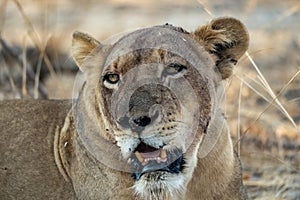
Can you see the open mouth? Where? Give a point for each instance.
(149, 159)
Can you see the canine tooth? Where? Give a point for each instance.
(139, 156)
(158, 160)
(163, 154)
(145, 162)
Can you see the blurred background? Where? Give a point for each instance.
(263, 96)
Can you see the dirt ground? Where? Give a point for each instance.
(269, 141)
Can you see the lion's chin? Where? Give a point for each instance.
(159, 185)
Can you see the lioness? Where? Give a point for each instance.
(147, 123)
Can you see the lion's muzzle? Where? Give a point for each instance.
(147, 159)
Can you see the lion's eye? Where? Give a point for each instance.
(112, 78)
(175, 68)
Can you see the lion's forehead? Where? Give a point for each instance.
(160, 39)
(153, 37)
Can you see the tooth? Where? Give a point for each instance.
(163, 154)
(145, 162)
(139, 156)
(158, 159)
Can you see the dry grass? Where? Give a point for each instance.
(34, 36)
(24, 64)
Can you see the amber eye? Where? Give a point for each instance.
(112, 78)
(175, 68)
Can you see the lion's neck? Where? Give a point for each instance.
(95, 180)
(91, 179)
(214, 172)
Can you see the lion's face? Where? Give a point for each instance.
(156, 95)
(155, 107)
(151, 94)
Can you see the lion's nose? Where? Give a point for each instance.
(142, 121)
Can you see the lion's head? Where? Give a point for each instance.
(149, 98)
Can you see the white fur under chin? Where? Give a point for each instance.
(169, 187)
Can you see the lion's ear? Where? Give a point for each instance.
(227, 38)
(82, 45)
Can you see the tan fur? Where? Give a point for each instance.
(227, 39)
(58, 150)
(82, 45)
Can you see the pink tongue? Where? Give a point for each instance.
(152, 154)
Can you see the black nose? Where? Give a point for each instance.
(142, 121)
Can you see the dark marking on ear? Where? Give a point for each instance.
(227, 39)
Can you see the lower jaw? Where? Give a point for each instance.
(175, 167)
